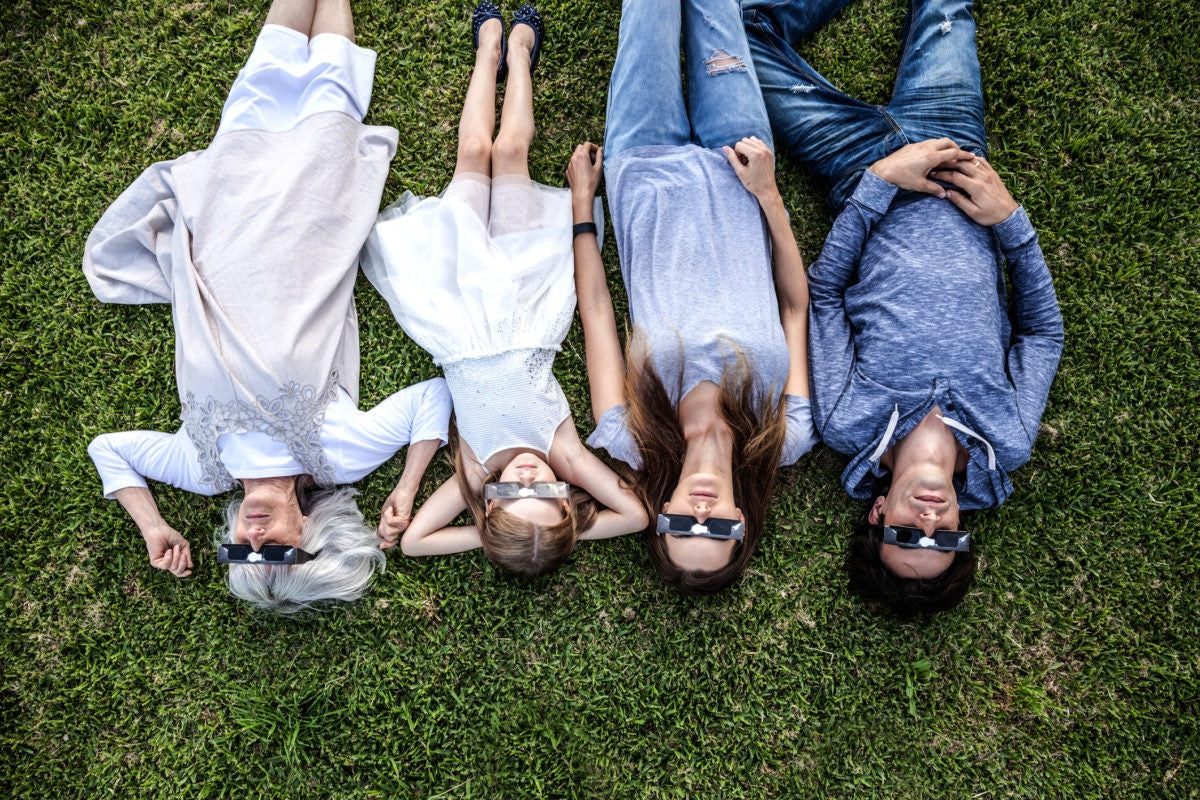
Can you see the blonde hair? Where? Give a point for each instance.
(515, 544)
(348, 555)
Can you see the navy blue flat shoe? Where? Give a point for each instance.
(482, 13)
(528, 15)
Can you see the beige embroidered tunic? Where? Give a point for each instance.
(254, 242)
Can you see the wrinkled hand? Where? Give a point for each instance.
(910, 166)
(584, 171)
(395, 516)
(169, 550)
(986, 199)
(754, 164)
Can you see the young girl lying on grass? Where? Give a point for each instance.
(481, 277)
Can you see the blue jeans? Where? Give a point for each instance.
(645, 96)
(836, 137)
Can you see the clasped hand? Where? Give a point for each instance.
(983, 196)
(169, 550)
(583, 173)
(396, 516)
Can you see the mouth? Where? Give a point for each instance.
(256, 516)
(703, 495)
(930, 498)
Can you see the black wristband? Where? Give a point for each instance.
(583, 227)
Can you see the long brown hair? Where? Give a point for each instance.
(756, 419)
(518, 546)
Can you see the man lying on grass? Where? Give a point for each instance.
(926, 371)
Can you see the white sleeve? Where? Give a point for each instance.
(359, 441)
(128, 458)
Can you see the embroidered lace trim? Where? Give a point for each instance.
(294, 417)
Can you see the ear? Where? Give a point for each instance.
(875, 515)
(488, 507)
(664, 508)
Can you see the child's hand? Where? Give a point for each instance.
(754, 164)
(584, 171)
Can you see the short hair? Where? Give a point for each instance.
(347, 556)
(904, 597)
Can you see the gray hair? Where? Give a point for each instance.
(349, 555)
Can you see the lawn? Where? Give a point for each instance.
(1072, 669)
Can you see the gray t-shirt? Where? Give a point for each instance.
(696, 260)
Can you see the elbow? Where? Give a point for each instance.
(641, 520)
(98, 446)
(637, 518)
(410, 543)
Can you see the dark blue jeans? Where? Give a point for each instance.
(837, 137)
(645, 96)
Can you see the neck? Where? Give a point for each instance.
(931, 443)
(708, 448)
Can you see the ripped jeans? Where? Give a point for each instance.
(836, 137)
(645, 96)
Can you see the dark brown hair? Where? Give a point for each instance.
(518, 546)
(755, 416)
(905, 597)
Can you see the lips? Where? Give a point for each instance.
(930, 498)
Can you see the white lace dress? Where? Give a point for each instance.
(482, 277)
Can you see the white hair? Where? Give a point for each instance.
(349, 555)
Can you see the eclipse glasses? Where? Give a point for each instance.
(945, 541)
(510, 490)
(711, 528)
(269, 554)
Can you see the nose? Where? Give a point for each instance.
(526, 476)
(701, 510)
(254, 536)
(929, 519)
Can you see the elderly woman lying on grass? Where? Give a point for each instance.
(254, 242)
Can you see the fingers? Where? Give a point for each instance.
(391, 525)
(585, 167)
(749, 149)
(177, 560)
(733, 158)
(964, 204)
(929, 187)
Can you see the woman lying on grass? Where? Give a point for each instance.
(716, 395)
(254, 243)
(481, 277)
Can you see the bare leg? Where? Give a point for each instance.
(479, 108)
(510, 153)
(294, 14)
(333, 16)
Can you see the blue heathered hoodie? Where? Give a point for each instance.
(909, 310)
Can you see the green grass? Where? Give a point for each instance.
(1073, 669)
